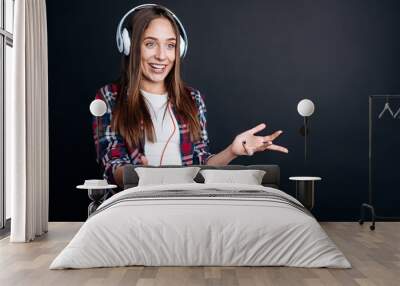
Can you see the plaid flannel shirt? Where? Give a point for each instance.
(114, 152)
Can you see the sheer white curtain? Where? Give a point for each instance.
(27, 171)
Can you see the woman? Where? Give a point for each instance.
(152, 116)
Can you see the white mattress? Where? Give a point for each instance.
(183, 231)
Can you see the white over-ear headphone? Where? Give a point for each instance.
(124, 40)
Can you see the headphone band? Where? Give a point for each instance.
(181, 29)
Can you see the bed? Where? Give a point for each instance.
(198, 224)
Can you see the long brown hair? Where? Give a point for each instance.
(130, 109)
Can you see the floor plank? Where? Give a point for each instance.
(374, 255)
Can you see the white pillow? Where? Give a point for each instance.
(163, 176)
(249, 177)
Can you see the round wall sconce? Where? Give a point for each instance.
(305, 108)
(97, 108)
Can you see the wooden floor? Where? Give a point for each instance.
(375, 257)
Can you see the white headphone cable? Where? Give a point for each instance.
(170, 137)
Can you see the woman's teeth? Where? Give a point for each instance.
(157, 68)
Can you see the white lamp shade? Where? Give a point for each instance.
(305, 107)
(98, 107)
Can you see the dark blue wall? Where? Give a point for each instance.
(253, 60)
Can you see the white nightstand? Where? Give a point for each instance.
(305, 190)
(97, 192)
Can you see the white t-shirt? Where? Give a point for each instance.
(163, 127)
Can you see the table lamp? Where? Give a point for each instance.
(305, 108)
(97, 189)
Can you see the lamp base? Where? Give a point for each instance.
(97, 196)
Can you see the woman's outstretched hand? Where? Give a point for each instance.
(247, 143)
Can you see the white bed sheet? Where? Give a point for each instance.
(200, 231)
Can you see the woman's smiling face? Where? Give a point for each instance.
(158, 50)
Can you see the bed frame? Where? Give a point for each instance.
(270, 179)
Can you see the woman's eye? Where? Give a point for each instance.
(171, 46)
(149, 44)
